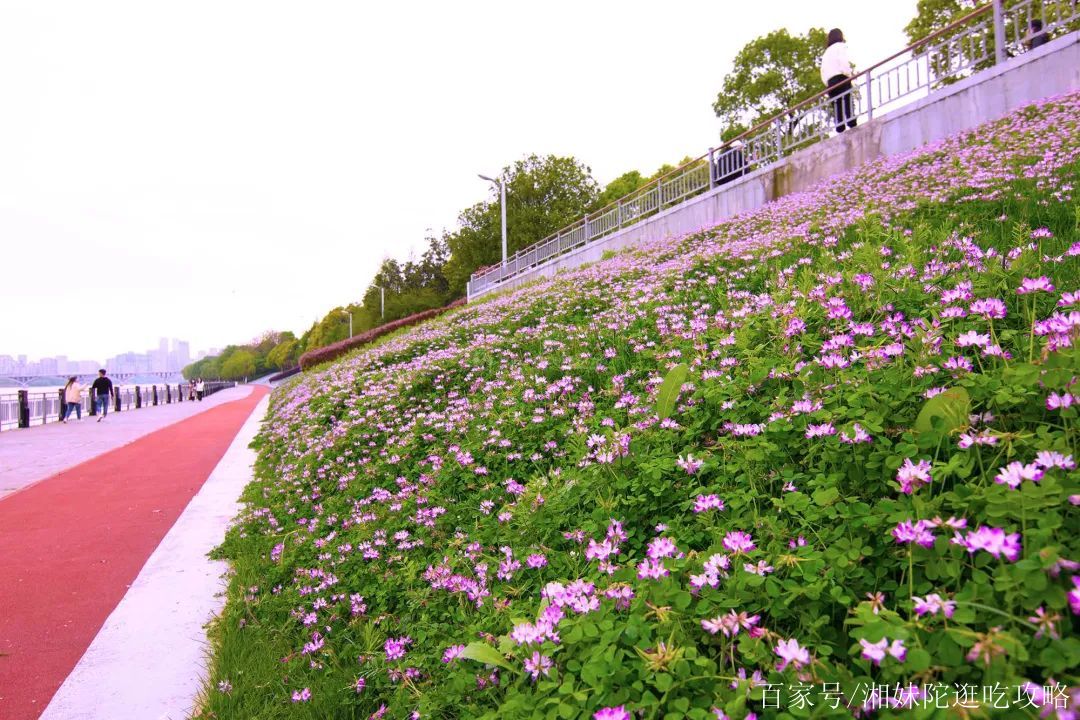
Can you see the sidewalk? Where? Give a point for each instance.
(72, 544)
(32, 454)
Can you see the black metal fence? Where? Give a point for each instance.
(31, 407)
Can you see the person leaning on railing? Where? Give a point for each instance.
(836, 72)
(1036, 35)
(730, 163)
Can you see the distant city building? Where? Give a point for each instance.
(161, 359)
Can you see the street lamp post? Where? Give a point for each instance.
(502, 206)
(350, 321)
(382, 302)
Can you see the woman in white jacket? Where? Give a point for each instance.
(836, 69)
(72, 399)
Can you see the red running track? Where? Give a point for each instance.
(71, 545)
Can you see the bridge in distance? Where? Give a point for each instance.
(23, 381)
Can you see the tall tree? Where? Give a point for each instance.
(239, 366)
(770, 74)
(934, 15)
(543, 194)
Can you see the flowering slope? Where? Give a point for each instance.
(822, 450)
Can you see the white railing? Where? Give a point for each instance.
(983, 37)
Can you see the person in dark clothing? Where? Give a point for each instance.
(103, 390)
(836, 70)
(730, 163)
(1038, 36)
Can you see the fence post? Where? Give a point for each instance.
(116, 396)
(153, 390)
(168, 394)
(138, 397)
(24, 408)
(586, 227)
(63, 405)
(999, 32)
(712, 173)
(869, 98)
(93, 404)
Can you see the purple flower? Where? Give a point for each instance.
(704, 503)
(919, 532)
(536, 560)
(795, 327)
(912, 476)
(739, 542)
(730, 623)
(973, 338)
(689, 464)
(1015, 472)
(993, 540)
(991, 308)
(451, 653)
(662, 547)
(611, 713)
(933, 604)
(301, 695)
(1039, 284)
(621, 594)
(822, 430)
(1059, 402)
(1074, 595)
(650, 569)
(875, 652)
(790, 652)
(1053, 459)
(858, 435)
(395, 647)
(538, 665)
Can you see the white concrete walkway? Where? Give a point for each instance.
(33, 454)
(148, 661)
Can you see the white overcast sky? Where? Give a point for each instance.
(209, 170)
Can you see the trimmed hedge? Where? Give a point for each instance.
(284, 374)
(335, 350)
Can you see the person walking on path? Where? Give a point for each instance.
(200, 388)
(103, 390)
(72, 398)
(836, 70)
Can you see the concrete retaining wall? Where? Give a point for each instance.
(1049, 70)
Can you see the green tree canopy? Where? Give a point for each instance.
(623, 185)
(770, 74)
(284, 354)
(543, 194)
(239, 366)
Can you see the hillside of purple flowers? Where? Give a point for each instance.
(818, 461)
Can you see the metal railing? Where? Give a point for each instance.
(25, 408)
(981, 38)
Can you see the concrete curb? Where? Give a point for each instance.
(148, 661)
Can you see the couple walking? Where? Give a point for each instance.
(101, 392)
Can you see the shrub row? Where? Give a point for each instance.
(331, 352)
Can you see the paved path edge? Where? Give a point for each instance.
(149, 660)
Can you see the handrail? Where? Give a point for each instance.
(728, 146)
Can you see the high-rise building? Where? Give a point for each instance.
(183, 352)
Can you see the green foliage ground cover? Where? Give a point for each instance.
(823, 453)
